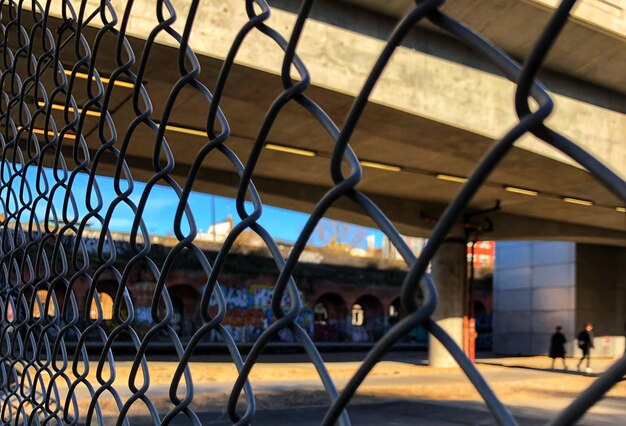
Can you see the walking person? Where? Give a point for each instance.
(557, 347)
(585, 343)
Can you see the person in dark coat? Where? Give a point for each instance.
(585, 343)
(557, 346)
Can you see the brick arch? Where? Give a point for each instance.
(373, 325)
(107, 291)
(186, 303)
(334, 328)
(395, 304)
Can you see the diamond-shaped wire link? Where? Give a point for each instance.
(52, 280)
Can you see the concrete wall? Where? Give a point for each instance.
(539, 285)
(534, 291)
(601, 296)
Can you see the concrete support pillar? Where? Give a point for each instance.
(449, 272)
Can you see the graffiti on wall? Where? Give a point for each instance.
(250, 313)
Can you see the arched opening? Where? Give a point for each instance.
(396, 312)
(105, 291)
(320, 313)
(10, 312)
(106, 304)
(39, 304)
(358, 315)
(185, 301)
(368, 319)
(418, 334)
(331, 315)
(393, 312)
(179, 313)
(104, 297)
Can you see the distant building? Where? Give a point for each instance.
(218, 231)
(484, 257)
(390, 252)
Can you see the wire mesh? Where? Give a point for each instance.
(50, 85)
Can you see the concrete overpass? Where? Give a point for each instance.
(433, 115)
(435, 112)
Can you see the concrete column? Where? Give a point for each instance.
(449, 271)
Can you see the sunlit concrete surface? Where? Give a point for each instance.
(526, 385)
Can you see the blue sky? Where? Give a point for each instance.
(159, 215)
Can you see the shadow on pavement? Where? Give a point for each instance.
(390, 413)
(549, 370)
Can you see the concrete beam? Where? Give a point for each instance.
(430, 76)
(514, 25)
(411, 217)
(409, 128)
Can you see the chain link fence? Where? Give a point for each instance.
(47, 59)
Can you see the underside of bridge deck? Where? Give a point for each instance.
(427, 157)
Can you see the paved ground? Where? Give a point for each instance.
(396, 413)
(396, 393)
